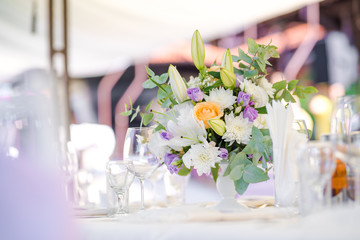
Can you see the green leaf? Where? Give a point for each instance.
(239, 159)
(256, 134)
(243, 56)
(215, 171)
(310, 90)
(227, 171)
(241, 65)
(261, 110)
(159, 127)
(253, 174)
(299, 91)
(126, 113)
(166, 103)
(287, 96)
(215, 74)
(262, 65)
(241, 186)
(148, 84)
(292, 84)
(147, 118)
(215, 85)
(235, 58)
(250, 73)
(256, 158)
(147, 108)
(149, 71)
(184, 171)
(238, 71)
(163, 78)
(237, 172)
(265, 133)
(252, 46)
(135, 114)
(279, 85)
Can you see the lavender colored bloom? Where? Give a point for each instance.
(166, 135)
(224, 153)
(250, 156)
(169, 159)
(250, 113)
(243, 98)
(251, 103)
(195, 94)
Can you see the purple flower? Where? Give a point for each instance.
(195, 94)
(250, 113)
(251, 103)
(169, 159)
(166, 135)
(243, 98)
(224, 153)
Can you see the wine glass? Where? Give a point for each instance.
(316, 166)
(120, 179)
(138, 157)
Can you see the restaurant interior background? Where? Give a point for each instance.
(74, 82)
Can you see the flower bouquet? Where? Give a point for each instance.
(217, 116)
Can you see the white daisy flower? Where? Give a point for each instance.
(202, 156)
(260, 122)
(258, 94)
(224, 98)
(237, 129)
(264, 83)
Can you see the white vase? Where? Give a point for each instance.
(226, 188)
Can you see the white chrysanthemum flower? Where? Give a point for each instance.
(237, 129)
(202, 156)
(264, 83)
(224, 97)
(258, 94)
(260, 122)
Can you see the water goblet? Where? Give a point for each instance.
(138, 157)
(119, 179)
(316, 165)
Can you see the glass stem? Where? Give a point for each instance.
(142, 207)
(121, 202)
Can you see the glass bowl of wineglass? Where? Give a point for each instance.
(138, 157)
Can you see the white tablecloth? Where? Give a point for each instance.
(203, 222)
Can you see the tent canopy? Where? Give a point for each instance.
(109, 34)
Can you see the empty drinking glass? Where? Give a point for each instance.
(120, 179)
(316, 165)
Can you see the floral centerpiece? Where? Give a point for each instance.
(217, 116)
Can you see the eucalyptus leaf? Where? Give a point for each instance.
(148, 84)
(147, 108)
(241, 186)
(253, 174)
(237, 172)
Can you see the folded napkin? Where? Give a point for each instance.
(286, 142)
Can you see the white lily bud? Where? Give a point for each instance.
(177, 84)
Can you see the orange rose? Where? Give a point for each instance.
(205, 111)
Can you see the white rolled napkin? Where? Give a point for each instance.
(286, 142)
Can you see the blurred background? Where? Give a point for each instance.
(67, 67)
